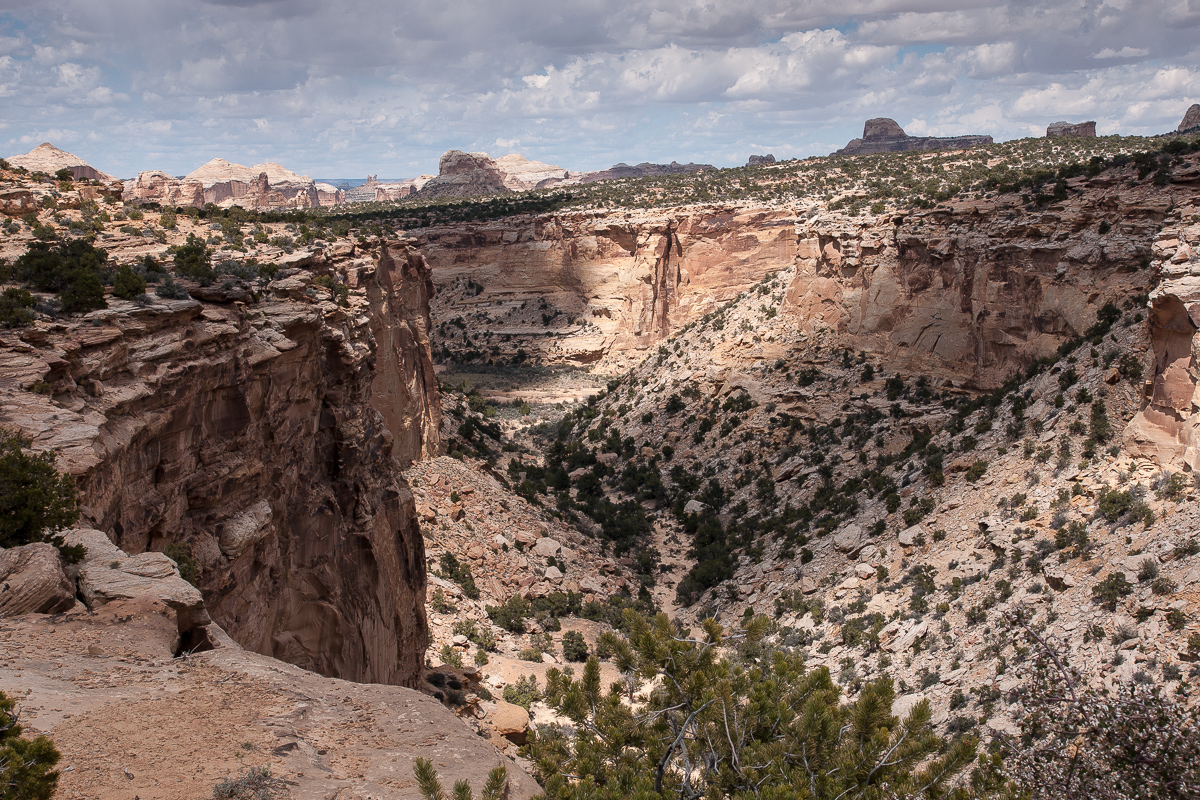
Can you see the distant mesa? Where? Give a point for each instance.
(1190, 120)
(521, 174)
(643, 170)
(1082, 130)
(223, 183)
(49, 159)
(398, 191)
(760, 161)
(883, 135)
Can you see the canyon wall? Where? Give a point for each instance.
(267, 438)
(625, 279)
(970, 291)
(1167, 428)
(978, 289)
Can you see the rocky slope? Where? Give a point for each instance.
(263, 432)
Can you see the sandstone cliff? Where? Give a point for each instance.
(464, 175)
(627, 279)
(266, 437)
(883, 135)
(1167, 428)
(1191, 118)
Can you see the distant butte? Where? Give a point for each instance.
(883, 135)
(1191, 119)
(1083, 130)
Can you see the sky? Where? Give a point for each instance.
(356, 87)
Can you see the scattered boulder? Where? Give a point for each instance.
(1191, 119)
(546, 548)
(511, 721)
(1083, 130)
(908, 536)
(32, 581)
(850, 539)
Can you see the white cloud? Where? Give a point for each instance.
(372, 86)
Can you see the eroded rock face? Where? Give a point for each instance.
(1085, 130)
(883, 135)
(49, 159)
(251, 433)
(32, 581)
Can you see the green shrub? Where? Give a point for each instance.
(454, 570)
(977, 471)
(524, 692)
(192, 260)
(36, 500)
(53, 268)
(1108, 592)
(16, 308)
(26, 765)
(85, 293)
(128, 284)
(170, 290)
(574, 648)
(181, 554)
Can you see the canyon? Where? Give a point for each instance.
(286, 436)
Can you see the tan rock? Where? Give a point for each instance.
(510, 721)
(32, 581)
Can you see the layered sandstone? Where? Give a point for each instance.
(267, 438)
(398, 191)
(1086, 130)
(883, 135)
(261, 187)
(49, 159)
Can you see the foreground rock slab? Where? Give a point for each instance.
(132, 720)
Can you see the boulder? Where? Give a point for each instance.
(1191, 118)
(546, 548)
(554, 574)
(904, 641)
(864, 571)
(850, 539)
(144, 576)
(908, 536)
(16, 202)
(245, 529)
(695, 507)
(32, 581)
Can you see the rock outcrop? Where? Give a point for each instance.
(1086, 130)
(521, 174)
(398, 191)
(267, 439)
(464, 175)
(261, 187)
(760, 161)
(1191, 118)
(883, 135)
(49, 159)
(1167, 428)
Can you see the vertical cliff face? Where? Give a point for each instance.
(976, 292)
(1167, 428)
(626, 280)
(266, 438)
